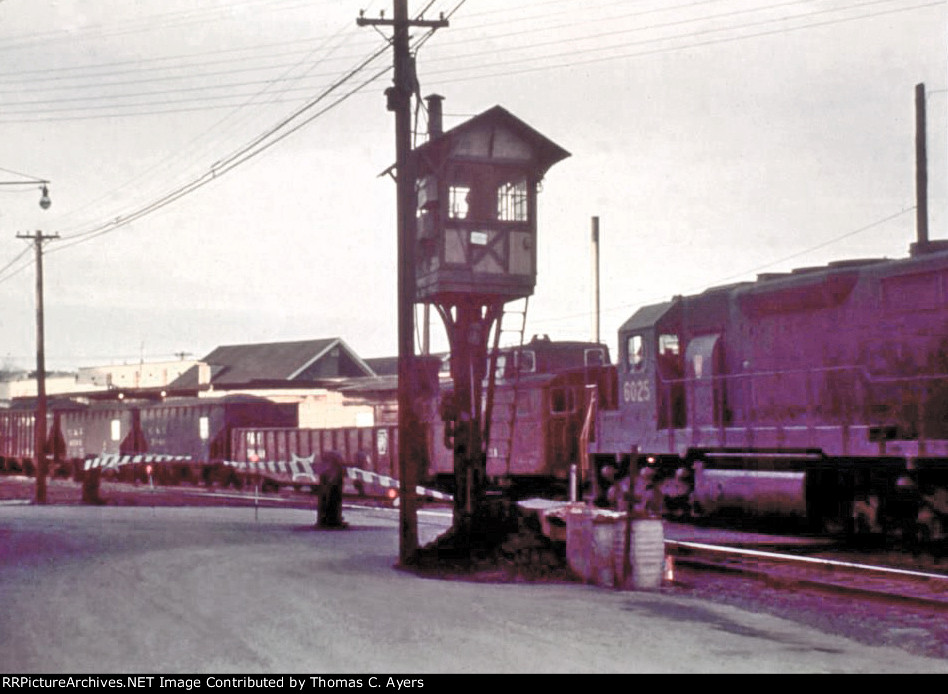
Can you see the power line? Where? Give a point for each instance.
(261, 143)
(148, 24)
(110, 110)
(211, 93)
(218, 130)
(573, 62)
(104, 228)
(744, 273)
(258, 145)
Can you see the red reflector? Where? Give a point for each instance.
(392, 493)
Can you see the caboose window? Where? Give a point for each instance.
(635, 353)
(594, 357)
(204, 427)
(562, 400)
(116, 429)
(523, 361)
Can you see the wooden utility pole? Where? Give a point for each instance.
(39, 428)
(399, 100)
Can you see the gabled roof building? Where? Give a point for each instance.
(273, 365)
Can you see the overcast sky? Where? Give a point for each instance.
(714, 140)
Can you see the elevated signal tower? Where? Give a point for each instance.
(466, 244)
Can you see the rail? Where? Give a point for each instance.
(880, 582)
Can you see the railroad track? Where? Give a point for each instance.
(915, 588)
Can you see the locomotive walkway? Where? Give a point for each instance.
(239, 590)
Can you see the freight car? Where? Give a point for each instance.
(17, 437)
(545, 395)
(197, 429)
(820, 393)
(277, 456)
(16, 441)
(532, 445)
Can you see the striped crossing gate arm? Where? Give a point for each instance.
(113, 461)
(299, 467)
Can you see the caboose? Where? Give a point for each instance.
(820, 393)
(545, 392)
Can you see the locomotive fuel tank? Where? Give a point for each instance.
(756, 484)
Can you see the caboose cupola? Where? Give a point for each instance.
(477, 201)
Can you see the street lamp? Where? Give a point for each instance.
(39, 428)
(44, 201)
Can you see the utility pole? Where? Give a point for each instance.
(595, 273)
(921, 171)
(399, 101)
(39, 439)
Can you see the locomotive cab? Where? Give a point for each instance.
(652, 370)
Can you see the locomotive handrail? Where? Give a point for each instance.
(859, 400)
(860, 369)
(591, 393)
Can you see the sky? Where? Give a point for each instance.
(214, 165)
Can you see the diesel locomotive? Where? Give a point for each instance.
(820, 394)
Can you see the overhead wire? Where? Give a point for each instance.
(247, 152)
(217, 130)
(779, 4)
(738, 275)
(13, 262)
(520, 64)
(275, 134)
(258, 145)
(150, 23)
(572, 54)
(218, 169)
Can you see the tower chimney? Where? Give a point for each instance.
(435, 126)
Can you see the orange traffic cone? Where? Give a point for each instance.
(669, 574)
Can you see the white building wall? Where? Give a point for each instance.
(96, 378)
(141, 375)
(55, 385)
(331, 409)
